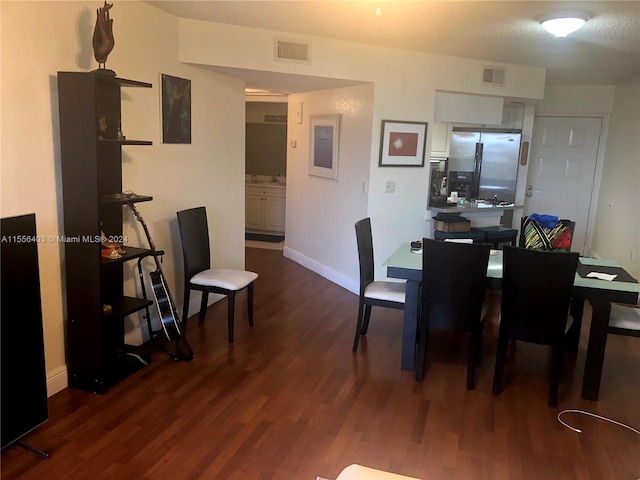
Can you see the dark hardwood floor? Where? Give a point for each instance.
(290, 401)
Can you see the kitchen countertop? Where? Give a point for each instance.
(472, 207)
(266, 184)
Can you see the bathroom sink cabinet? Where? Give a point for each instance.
(265, 208)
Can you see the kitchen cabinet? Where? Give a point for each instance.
(265, 208)
(512, 117)
(440, 139)
(91, 143)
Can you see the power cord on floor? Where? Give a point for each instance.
(592, 415)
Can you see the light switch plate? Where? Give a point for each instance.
(390, 186)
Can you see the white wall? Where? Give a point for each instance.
(404, 82)
(617, 227)
(40, 38)
(252, 49)
(455, 74)
(321, 213)
(576, 99)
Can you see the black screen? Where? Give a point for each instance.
(23, 377)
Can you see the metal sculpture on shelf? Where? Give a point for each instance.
(103, 40)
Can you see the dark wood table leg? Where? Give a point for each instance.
(410, 325)
(573, 335)
(595, 350)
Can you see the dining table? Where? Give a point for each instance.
(406, 263)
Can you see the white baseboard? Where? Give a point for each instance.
(322, 270)
(57, 381)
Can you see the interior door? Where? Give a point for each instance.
(562, 167)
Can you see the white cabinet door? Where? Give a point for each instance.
(440, 134)
(265, 209)
(254, 211)
(275, 213)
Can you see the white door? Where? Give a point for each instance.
(562, 168)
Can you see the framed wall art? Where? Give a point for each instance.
(324, 142)
(402, 144)
(176, 109)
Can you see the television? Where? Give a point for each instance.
(23, 388)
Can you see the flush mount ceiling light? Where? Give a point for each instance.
(562, 24)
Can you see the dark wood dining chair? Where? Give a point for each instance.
(372, 292)
(198, 274)
(536, 295)
(454, 279)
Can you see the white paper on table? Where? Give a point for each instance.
(601, 276)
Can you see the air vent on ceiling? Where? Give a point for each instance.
(493, 76)
(292, 51)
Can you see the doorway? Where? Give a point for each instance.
(562, 171)
(265, 169)
(266, 139)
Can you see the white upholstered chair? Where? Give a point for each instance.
(358, 472)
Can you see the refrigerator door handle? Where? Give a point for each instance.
(477, 168)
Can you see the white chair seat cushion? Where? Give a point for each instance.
(224, 278)
(624, 317)
(358, 472)
(390, 291)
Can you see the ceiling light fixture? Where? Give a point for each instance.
(562, 24)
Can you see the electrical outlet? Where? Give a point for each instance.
(390, 186)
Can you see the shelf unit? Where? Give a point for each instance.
(91, 146)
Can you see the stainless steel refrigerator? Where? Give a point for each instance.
(483, 164)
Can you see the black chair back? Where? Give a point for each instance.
(454, 277)
(453, 284)
(365, 252)
(536, 294)
(194, 233)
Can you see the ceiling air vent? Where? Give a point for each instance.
(493, 76)
(292, 51)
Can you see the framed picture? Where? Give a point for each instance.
(402, 144)
(324, 142)
(176, 109)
